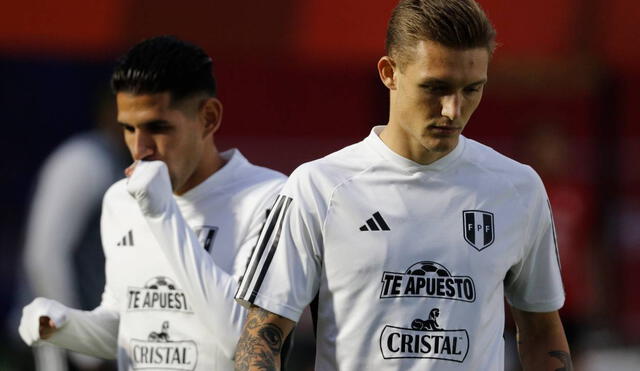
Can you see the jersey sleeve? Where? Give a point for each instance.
(94, 333)
(260, 209)
(534, 283)
(284, 270)
(210, 288)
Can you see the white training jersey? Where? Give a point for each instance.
(170, 314)
(407, 265)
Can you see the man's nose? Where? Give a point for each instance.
(143, 146)
(452, 106)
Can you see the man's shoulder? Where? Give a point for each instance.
(257, 182)
(255, 174)
(500, 166)
(117, 193)
(328, 172)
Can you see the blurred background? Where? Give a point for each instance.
(298, 80)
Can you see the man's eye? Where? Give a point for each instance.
(127, 128)
(435, 89)
(159, 128)
(473, 89)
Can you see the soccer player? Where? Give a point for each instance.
(406, 243)
(167, 305)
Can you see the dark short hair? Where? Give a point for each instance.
(459, 24)
(165, 64)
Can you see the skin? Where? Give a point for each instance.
(180, 134)
(261, 342)
(542, 344)
(433, 93)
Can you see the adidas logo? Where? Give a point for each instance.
(376, 223)
(127, 239)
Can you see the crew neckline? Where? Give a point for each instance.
(219, 179)
(376, 143)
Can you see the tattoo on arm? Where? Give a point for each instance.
(564, 358)
(272, 335)
(260, 344)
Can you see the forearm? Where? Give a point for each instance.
(261, 341)
(542, 344)
(93, 333)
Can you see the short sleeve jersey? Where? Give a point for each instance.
(159, 328)
(407, 265)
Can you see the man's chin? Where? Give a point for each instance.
(441, 145)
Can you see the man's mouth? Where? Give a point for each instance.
(445, 130)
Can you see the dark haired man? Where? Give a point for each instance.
(203, 209)
(414, 219)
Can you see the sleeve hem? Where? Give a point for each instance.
(541, 307)
(273, 307)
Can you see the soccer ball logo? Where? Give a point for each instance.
(160, 283)
(428, 268)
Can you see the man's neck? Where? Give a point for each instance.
(400, 142)
(210, 163)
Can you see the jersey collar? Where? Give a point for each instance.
(218, 180)
(374, 141)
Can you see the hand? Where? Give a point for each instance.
(150, 185)
(41, 319)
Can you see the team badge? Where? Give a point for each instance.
(206, 235)
(478, 228)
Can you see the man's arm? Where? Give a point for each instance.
(261, 341)
(542, 343)
(210, 289)
(89, 332)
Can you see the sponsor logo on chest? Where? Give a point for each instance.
(158, 351)
(425, 339)
(159, 293)
(429, 280)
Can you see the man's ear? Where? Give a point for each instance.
(387, 71)
(210, 113)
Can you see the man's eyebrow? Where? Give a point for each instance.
(150, 123)
(479, 82)
(436, 81)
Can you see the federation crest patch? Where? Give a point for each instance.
(478, 228)
(206, 235)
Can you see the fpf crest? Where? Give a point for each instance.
(206, 235)
(478, 228)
